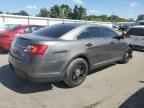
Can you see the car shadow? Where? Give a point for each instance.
(101, 68)
(135, 101)
(10, 80)
(141, 81)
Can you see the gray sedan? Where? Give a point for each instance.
(66, 52)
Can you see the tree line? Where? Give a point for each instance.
(78, 13)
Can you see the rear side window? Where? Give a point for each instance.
(36, 28)
(27, 30)
(32, 29)
(91, 32)
(108, 33)
(136, 31)
(55, 31)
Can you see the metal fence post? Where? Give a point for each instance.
(28, 20)
(3, 19)
(48, 21)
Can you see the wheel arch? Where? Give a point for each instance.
(83, 56)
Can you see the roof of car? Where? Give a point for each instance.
(28, 25)
(141, 21)
(139, 26)
(80, 24)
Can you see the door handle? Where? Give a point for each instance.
(89, 44)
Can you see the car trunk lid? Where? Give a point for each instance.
(20, 44)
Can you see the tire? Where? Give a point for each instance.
(76, 73)
(127, 56)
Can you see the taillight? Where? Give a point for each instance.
(36, 49)
(127, 35)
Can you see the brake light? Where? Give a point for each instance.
(37, 49)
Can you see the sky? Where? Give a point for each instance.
(123, 8)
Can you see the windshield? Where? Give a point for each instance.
(55, 31)
(9, 27)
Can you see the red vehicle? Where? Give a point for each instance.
(7, 36)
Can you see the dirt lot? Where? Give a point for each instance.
(115, 86)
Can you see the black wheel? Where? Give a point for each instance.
(127, 56)
(76, 72)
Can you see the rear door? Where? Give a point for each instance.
(96, 47)
(137, 36)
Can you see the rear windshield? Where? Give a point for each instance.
(55, 31)
(136, 31)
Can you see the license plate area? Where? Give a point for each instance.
(18, 52)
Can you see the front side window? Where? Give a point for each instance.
(84, 35)
(108, 33)
(91, 32)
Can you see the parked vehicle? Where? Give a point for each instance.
(66, 52)
(141, 22)
(124, 28)
(136, 35)
(12, 30)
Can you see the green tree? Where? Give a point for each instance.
(22, 12)
(140, 17)
(131, 20)
(43, 13)
(79, 12)
(82, 12)
(55, 11)
(65, 11)
(104, 18)
(113, 18)
(8, 13)
(94, 18)
(75, 12)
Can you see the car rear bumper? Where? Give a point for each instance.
(26, 71)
